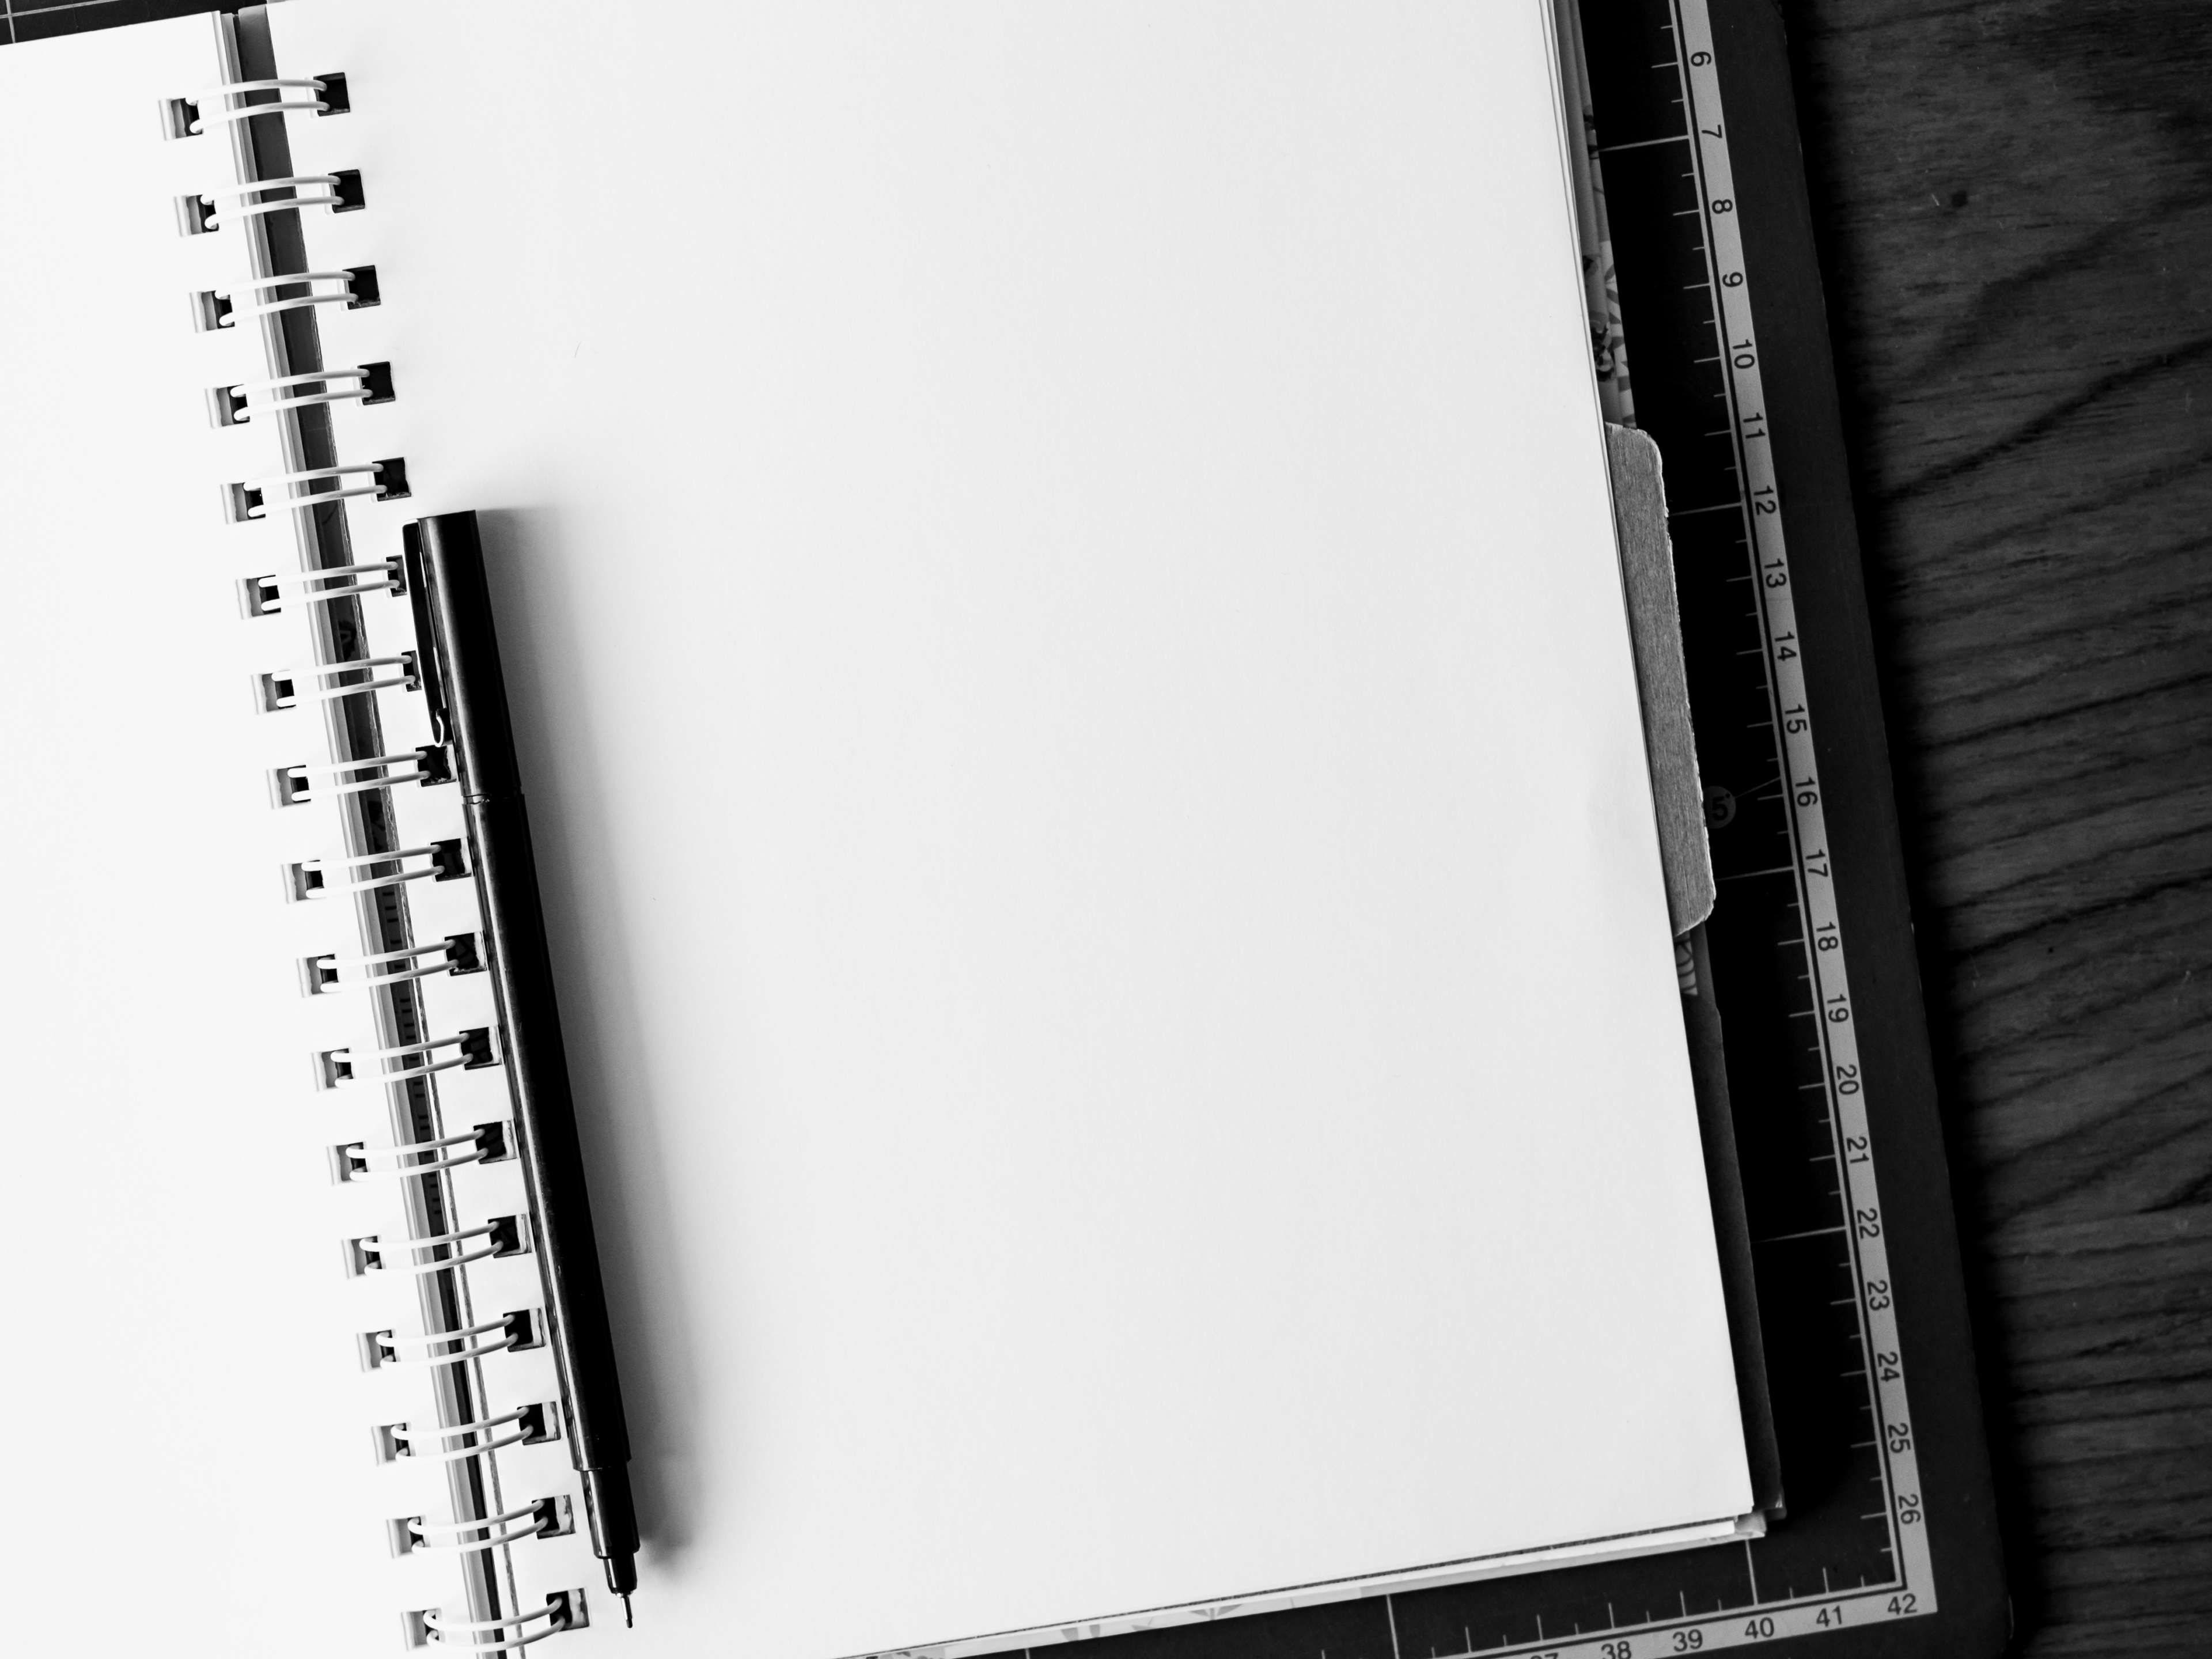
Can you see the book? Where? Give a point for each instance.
(1058, 589)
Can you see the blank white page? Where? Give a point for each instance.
(1057, 575)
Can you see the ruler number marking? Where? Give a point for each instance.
(1822, 936)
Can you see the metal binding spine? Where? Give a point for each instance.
(279, 295)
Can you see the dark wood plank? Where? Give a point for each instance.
(2015, 199)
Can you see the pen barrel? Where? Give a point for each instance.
(521, 968)
(460, 670)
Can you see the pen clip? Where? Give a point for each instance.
(429, 646)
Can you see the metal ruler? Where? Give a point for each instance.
(1854, 1549)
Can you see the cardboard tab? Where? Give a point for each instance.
(1647, 570)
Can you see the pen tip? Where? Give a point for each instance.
(627, 1622)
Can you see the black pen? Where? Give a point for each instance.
(457, 661)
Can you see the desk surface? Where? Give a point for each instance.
(2015, 203)
(2015, 199)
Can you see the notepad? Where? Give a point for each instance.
(1057, 587)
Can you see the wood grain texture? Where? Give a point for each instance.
(2015, 205)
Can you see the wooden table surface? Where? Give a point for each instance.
(2015, 199)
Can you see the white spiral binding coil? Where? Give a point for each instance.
(296, 786)
(525, 1415)
(293, 181)
(299, 503)
(401, 976)
(241, 393)
(362, 1154)
(267, 595)
(246, 209)
(333, 769)
(388, 1344)
(436, 1627)
(431, 1339)
(504, 1236)
(455, 954)
(482, 1424)
(345, 295)
(231, 89)
(305, 880)
(353, 1158)
(455, 1454)
(361, 785)
(278, 689)
(393, 857)
(336, 1064)
(445, 1535)
(377, 959)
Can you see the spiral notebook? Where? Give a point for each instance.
(1056, 583)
